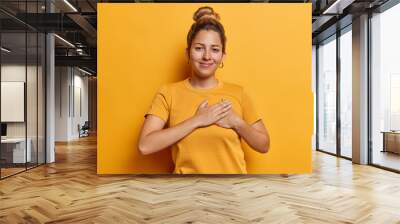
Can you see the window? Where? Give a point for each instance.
(385, 88)
(346, 93)
(327, 95)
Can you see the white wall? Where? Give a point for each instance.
(71, 93)
(16, 73)
(62, 80)
(33, 127)
(80, 84)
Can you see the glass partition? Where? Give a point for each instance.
(41, 109)
(32, 95)
(385, 89)
(22, 88)
(327, 95)
(14, 154)
(346, 93)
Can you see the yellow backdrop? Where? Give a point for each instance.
(142, 46)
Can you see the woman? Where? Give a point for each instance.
(203, 118)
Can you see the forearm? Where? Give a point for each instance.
(161, 139)
(256, 139)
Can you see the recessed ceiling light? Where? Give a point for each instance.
(338, 6)
(64, 40)
(84, 71)
(5, 50)
(71, 6)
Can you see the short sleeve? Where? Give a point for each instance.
(250, 114)
(161, 104)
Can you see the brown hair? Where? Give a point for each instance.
(206, 19)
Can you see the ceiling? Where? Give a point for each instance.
(76, 22)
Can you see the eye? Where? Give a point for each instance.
(197, 48)
(216, 49)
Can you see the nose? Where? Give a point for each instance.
(206, 55)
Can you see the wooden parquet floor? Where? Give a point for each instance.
(70, 191)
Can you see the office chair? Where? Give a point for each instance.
(84, 130)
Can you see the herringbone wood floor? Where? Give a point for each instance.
(69, 191)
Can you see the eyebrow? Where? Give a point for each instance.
(214, 45)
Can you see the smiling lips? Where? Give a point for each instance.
(206, 65)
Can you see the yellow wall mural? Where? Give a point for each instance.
(142, 47)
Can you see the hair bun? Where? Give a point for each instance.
(205, 12)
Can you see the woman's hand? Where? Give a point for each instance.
(208, 115)
(231, 120)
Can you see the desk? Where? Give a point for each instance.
(15, 148)
(391, 141)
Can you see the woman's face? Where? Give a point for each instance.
(205, 54)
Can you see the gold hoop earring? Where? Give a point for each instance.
(222, 63)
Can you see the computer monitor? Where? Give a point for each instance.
(3, 129)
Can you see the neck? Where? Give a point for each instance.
(203, 83)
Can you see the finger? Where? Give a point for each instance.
(224, 108)
(227, 108)
(204, 103)
(220, 106)
(222, 115)
(219, 111)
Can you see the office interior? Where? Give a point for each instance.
(48, 81)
